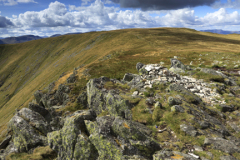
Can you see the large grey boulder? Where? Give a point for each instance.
(35, 119)
(24, 135)
(222, 144)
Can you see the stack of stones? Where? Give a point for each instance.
(155, 73)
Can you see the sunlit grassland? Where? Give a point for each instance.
(33, 65)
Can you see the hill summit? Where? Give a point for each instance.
(181, 112)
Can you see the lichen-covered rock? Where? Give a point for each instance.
(84, 149)
(107, 147)
(71, 142)
(117, 106)
(25, 136)
(222, 144)
(35, 119)
(137, 137)
(177, 66)
(95, 96)
(142, 71)
(177, 108)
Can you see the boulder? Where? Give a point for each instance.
(222, 144)
(177, 66)
(25, 136)
(35, 119)
(117, 106)
(226, 108)
(177, 108)
(95, 96)
(139, 66)
(174, 101)
(72, 142)
(189, 130)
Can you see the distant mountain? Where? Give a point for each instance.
(21, 39)
(219, 31)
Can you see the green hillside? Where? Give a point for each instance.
(33, 65)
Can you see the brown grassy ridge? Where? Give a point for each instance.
(32, 65)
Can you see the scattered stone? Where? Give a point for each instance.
(190, 130)
(135, 93)
(198, 148)
(177, 108)
(226, 108)
(174, 101)
(129, 76)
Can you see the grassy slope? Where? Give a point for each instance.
(33, 65)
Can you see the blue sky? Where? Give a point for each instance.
(45, 18)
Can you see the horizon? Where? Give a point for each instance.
(46, 18)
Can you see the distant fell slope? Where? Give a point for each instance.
(21, 39)
(30, 66)
(219, 31)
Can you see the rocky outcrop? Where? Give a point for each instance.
(175, 108)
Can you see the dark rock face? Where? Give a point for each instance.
(129, 76)
(38, 96)
(42, 111)
(5, 142)
(226, 108)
